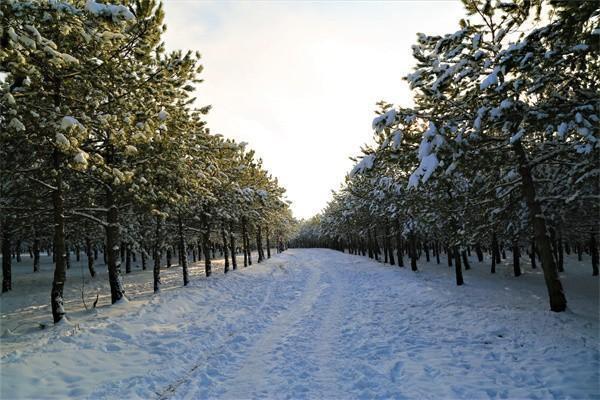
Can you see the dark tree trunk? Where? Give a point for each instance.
(232, 247)
(60, 269)
(169, 256)
(225, 252)
(112, 249)
(67, 256)
(183, 252)
(465, 260)
(90, 256)
(157, 256)
(268, 242)
(6, 260)
(206, 246)
(437, 252)
(496, 248)
(143, 256)
(579, 252)
(532, 255)
(458, 267)
(389, 245)
(259, 244)
(561, 255)
(413, 252)
(18, 250)
(479, 252)
(127, 258)
(36, 254)
(558, 302)
(450, 256)
(399, 254)
(595, 257)
(516, 260)
(426, 250)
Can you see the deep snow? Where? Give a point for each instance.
(321, 324)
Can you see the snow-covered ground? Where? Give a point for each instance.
(322, 324)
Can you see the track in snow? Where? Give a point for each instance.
(322, 324)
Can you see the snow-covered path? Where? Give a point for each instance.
(322, 324)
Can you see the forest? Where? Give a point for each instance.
(499, 153)
(103, 150)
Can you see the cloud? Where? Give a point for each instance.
(299, 80)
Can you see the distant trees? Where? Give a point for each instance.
(501, 146)
(103, 149)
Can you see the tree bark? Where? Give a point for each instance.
(157, 256)
(112, 249)
(6, 260)
(268, 242)
(595, 256)
(90, 256)
(516, 259)
(458, 267)
(232, 247)
(60, 268)
(206, 245)
(558, 302)
(413, 252)
(183, 252)
(36, 253)
(225, 252)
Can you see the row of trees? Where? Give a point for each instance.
(500, 149)
(101, 145)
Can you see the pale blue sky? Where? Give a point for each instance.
(299, 80)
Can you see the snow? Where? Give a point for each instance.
(69, 122)
(62, 141)
(322, 324)
(163, 114)
(384, 119)
(365, 164)
(109, 10)
(491, 79)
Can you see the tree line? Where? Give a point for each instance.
(500, 150)
(103, 149)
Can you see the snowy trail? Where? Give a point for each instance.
(322, 324)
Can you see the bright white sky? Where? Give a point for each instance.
(299, 80)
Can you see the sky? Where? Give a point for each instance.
(299, 80)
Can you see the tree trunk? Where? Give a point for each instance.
(595, 257)
(268, 242)
(36, 254)
(183, 252)
(206, 246)
(6, 260)
(532, 255)
(479, 252)
(413, 252)
(516, 261)
(259, 244)
(90, 256)
(225, 252)
(465, 260)
(399, 254)
(450, 255)
(18, 250)
(157, 256)
(458, 267)
(232, 247)
(169, 257)
(112, 249)
(389, 245)
(558, 302)
(60, 269)
(143, 256)
(127, 258)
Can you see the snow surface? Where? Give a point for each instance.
(322, 324)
